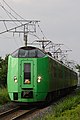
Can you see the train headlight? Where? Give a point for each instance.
(39, 79)
(15, 79)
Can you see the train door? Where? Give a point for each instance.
(27, 74)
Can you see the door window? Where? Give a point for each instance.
(27, 73)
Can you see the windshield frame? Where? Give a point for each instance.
(28, 53)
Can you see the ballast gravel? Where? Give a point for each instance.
(7, 106)
(39, 114)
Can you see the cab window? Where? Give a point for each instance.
(32, 53)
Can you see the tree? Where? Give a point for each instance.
(3, 70)
(78, 67)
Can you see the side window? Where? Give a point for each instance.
(15, 54)
(40, 54)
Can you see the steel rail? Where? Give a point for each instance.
(16, 113)
(25, 114)
(6, 113)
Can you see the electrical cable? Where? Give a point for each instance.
(8, 13)
(35, 36)
(41, 31)
(13, 10)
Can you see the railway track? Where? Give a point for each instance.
(17, 114)
(21, 114)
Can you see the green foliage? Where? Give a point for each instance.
(4, 98)
(3, 70)
(66, 109)
(78, 67)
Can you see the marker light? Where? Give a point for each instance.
(39, 79)
(15, 79)
(27, 81)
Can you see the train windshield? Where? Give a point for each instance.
(28, 53)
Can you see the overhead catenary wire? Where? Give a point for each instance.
(13, 10)
(5, 25)
(17, 15)
(41, 31)
(11, 16)
(7, 12)
(35, 36)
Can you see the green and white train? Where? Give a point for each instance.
(34, 76)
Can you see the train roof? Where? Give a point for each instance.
(28, 48)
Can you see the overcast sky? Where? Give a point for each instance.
(59, 19)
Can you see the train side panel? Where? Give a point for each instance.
(61, 77)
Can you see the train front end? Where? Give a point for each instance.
(26, 75)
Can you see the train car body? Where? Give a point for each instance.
(34, 76)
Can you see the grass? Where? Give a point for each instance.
(67, 108)
(4, 98)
